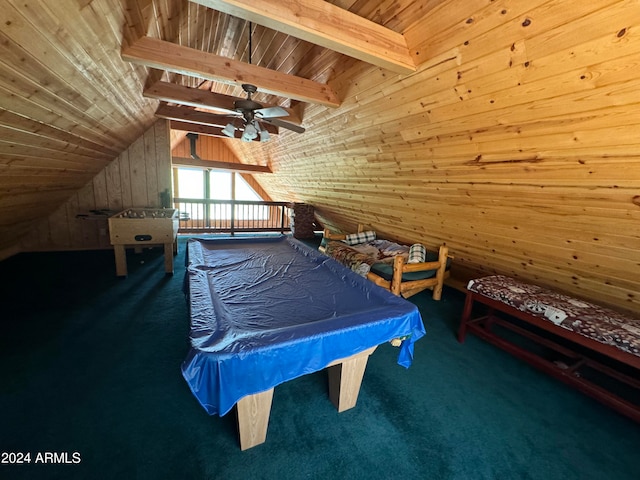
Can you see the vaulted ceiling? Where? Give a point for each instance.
(72, 78)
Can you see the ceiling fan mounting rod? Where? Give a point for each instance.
(250, 35)
(250, 89)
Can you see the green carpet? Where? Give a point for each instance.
(90, 363)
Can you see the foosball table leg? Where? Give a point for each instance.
(168, 257)
(121, 260)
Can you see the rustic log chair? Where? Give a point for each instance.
(398, 285)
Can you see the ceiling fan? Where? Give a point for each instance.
(251, 115)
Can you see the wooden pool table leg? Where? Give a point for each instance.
(253, 418)
(345, 378)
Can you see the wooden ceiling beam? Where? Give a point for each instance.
(189, 115)
(195, 97)
(235, 167)
(155, 53)
(327, 25)
(203, 130)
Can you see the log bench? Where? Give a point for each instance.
(592, 348)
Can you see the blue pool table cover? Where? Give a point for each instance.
(265, 310)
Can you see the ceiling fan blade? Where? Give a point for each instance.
(272, 112)
(223, 111)
(283, 124)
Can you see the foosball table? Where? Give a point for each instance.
(140, 227)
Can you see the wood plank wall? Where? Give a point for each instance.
(207, 148)
(516, 143)
(134, 179)
(68, 104)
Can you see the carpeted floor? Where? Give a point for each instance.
(90, 373)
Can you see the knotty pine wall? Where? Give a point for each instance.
(517, 142)
(207, 148)
(134, 179)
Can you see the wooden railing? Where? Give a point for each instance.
(231, 216)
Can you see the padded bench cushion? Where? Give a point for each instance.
(587, 319)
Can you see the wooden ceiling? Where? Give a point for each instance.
(515, 140)
(70, 103)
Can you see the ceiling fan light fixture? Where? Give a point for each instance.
(229, 130)
(250, 131)
(249, 120)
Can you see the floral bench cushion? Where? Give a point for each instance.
(587, 319)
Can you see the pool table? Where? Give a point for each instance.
(266, 310)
